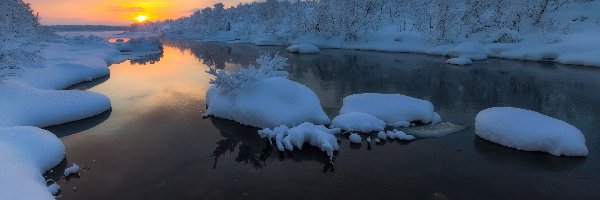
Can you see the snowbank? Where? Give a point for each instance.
(391, 108)
(360, 122)
(27, 106)
(316, 135)
(303, 48)
(355, 138)
(529, 131)
(25, 154)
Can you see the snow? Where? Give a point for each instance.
(563, 32)
(316, 135)
(359, 122)
(54, 188)
(400, 124)
(381, 135)
(303, 48)
(459, 61)
(394, 109)
(369, 139)
(25, 154)
(71, 170)
(262, 96)
(22, 105)
(395, 134)
(355, 138)
(529, 131)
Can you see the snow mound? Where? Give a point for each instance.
(394, 134)
(25, 154)
(435, 130)
(27, 106)
(529, 131)
(54, 188)
(391, 108)
(268, 103)
(355, 121)
(459, 61)
(303, 48)
(71, 170)
(355, 138)
(316, 135)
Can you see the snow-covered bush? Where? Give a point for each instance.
(20, 34)
(266, 67)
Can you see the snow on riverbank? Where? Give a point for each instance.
(303, 48)
(564, 32)
(530, 131)
(25, 154)
(34, 97)
(394, 109)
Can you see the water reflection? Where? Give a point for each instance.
(148, 59)
(155, 144)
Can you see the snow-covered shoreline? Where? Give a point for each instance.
(35, 97)
(464, 32)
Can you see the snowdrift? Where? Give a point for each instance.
(316, 135)
(25, 154)
(359, 122)
(393, 109)
(268, 103)
(529, 131)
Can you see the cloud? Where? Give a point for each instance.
(125, 9)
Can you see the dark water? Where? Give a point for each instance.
(154, 143)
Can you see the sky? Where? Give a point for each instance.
(117, 12)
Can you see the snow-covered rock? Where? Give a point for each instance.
(303, 48)
(316, 135)
(529, 131)
(395, 134)
(459, 61)
(73, 169)
(25, 154)
(54, 188)
(391, 108)
(355, 138)
(268, 103)
(360, 122)
(27, 106)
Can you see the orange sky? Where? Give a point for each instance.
(116, 12)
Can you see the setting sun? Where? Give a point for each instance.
(141, 18)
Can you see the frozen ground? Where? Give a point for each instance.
(530, 131)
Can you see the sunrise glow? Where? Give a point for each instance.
(118, 12)
(141, 18)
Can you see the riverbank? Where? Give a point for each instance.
(32, 97)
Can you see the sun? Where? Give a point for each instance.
(141, 18)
